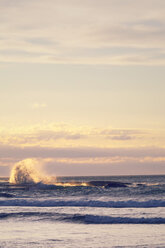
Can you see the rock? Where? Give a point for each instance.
(115, 185)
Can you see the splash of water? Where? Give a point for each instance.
(25, 172)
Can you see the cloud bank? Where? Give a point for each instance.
(60, 135)
(69, 150)
(88, 160)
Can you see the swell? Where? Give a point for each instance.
(83, 219)
(83, 203)
(6, 195)
(93, 219)
(23, 184)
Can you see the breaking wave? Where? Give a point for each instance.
(83, 203)
(84, 219)
(25, 172)
(93, 219)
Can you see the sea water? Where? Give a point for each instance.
(83, 212)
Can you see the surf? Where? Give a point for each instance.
(24, 172)
(82, 203)
(27, 172)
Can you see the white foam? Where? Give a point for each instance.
(25, 172)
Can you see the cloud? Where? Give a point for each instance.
(79, 152)
(121, 137)
(42, 135)
(113, 169)
(55, 135)
(122, 134)
(65, 135)
(39, 105)
(87, 160)
(58, 32)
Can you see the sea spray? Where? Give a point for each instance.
(25, 172)
(28, 171)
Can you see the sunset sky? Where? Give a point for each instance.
(82, 86)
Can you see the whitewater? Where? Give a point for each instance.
(97, 212)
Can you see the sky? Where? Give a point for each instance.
(82, 86)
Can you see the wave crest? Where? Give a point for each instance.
(83, 218)
(25, 172)
(83, 203)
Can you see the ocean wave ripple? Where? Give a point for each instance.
(83, 203)
(83, 219)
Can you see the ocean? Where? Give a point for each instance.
(91, 212)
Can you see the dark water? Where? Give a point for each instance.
(104, 201)
(100, 192)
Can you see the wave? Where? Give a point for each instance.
(93, 219)
(25, 172)
(83, 203)
(84, 219)
(6, 195)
